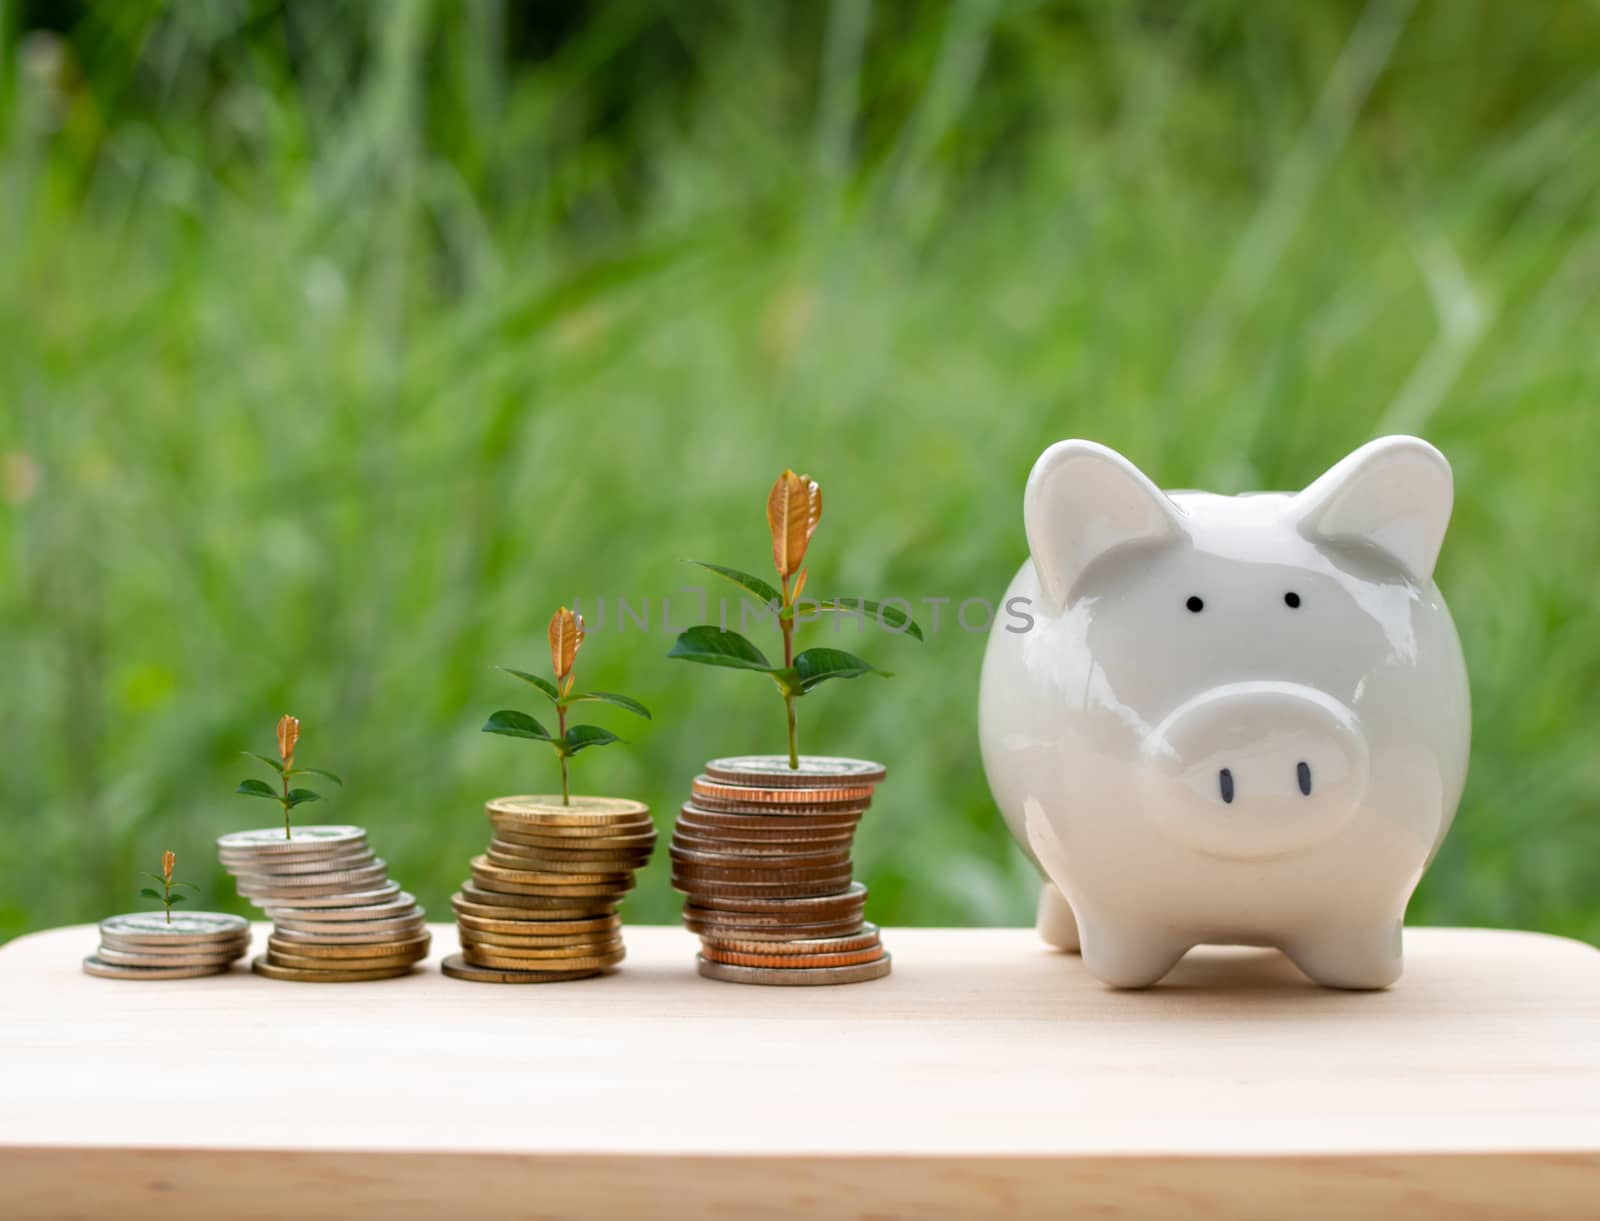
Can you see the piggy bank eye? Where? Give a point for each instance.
(1291, 600)
(1195, 604)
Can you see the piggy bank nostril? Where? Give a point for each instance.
(1302, 772)
(1225, 781)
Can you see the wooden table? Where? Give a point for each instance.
(987, 1076)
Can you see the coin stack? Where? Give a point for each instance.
(541, 905)
(762, 855)
(337, 917)
(147, 945)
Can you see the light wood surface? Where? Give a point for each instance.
(986, 1075)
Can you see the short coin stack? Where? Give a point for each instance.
(541, 906)
(145, 945)
(337, 916)
(762, 854)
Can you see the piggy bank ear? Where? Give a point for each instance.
(1394, 494)
(1083, 501)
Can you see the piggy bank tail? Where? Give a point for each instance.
(1058, 927)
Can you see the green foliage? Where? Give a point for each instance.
(286, 795)
(711, 646)
(513, 724)
(329, 347)
(805, 671)
(568, 740)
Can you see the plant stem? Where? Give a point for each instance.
(794, 748)
(285, 800)
(561, 750)
(786, 626)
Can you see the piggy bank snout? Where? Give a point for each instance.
(1256, 769)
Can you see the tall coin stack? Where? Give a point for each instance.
(762, 856)
(541, 905)
(148, 945)
(337, 916)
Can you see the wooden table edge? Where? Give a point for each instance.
(48, 1182)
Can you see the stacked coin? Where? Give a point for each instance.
(541, 905)
(337, 917)
(146, 945)
(762, 854)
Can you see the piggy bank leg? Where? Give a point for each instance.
(1057, 925)
(1129, 957)
(1358, 957)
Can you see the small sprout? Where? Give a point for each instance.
(566, 635)
(287, 796)
(164, 896)
(794, 507)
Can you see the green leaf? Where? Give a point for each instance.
(712, 646)
(514, 724)
(581, 737)
(316, 771)
(299, 797)
(146, 893)
(744, 580)
(274, 764)
(154, 877)
(533, 680)
(177, 899)
(190, 885)
(608, 697)
(257, 788)
(889, 617)
(816, 666)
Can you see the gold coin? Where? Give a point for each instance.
(777, 798)
(316, 976)
(496, 904)
(457, 967)
(580, 812)
(480, 957)
(552, 947)
(579, 839)
(532, 927)
(481, 868)
(605, 866)
(345, 950)
(279, 959)
(493, 944)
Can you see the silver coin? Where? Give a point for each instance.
(261, 891)
(214, 945)
(359, 898)
(814, 771)
(287, 866)
(793, 977)
(96, 966)
(272, 839)
(402, 904)
(185, 927)
(195, 958)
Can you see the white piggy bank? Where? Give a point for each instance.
(1232, 719)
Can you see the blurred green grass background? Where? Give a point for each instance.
(344, 341)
